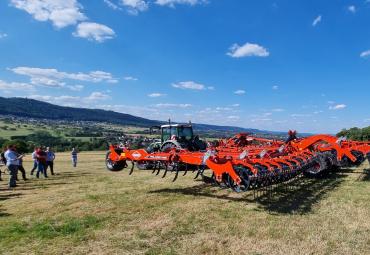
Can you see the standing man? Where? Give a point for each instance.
(20, 166)
(50, 156)
(41, 162)
(74, 157)
(12, 162)
(34, 158)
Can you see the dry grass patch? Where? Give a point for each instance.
(88, 210)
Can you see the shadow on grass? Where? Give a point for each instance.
(365, 175)
(298, 196)
(4, 197)
(65, 175)
(39, 184)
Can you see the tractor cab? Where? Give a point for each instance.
(178, 136)
(178, 132)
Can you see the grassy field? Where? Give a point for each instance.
(88, 210)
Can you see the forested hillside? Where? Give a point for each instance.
(359, 134)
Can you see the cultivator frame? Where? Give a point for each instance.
(246, 162)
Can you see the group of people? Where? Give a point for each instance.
(43, 159)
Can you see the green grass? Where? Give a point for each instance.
(87, 210)
(49, 228)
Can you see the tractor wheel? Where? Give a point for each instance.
(167, 146)
(143, 165)
(114, 166)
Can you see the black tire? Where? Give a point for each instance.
(320, 166)
(167, 146)
(114, 166)
(143, 165)
(359, 157)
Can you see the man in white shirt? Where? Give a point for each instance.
(34, 158)
(50, 156)
(12, 162)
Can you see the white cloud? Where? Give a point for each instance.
(47, 82)
(94, 31)
(7, 86)
(223, 108)
(261, 120)
(97, 96)
(75, 87)
(61, 13)
(52, 77)
(156, 95)
(316, 21)
(135, 6)
(112, 5)
(352, 8)
(337, 107)
(239, 92)
(275, 87)
(3, 35)
(172, 3)
(365, 54)
(232, 117)
(73, 101)
(168, 105)
(130, 78)
(278, 110)
(247, 50)
(63, 100)
(300, 115)
(235, 105)
(190, 85)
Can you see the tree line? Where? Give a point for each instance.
(43, 138)
(356, 134)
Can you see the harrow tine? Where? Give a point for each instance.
(165, 170)
(154, 168)
(176, 174)
(132, 168)
(159, 168)
(186, 170)
(200, 171)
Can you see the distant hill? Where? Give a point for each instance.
(30, 108)
(24, 107)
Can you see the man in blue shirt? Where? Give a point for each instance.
(12, 162)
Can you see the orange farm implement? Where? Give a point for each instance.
(246, 162)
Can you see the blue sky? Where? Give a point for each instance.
(273, 65)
